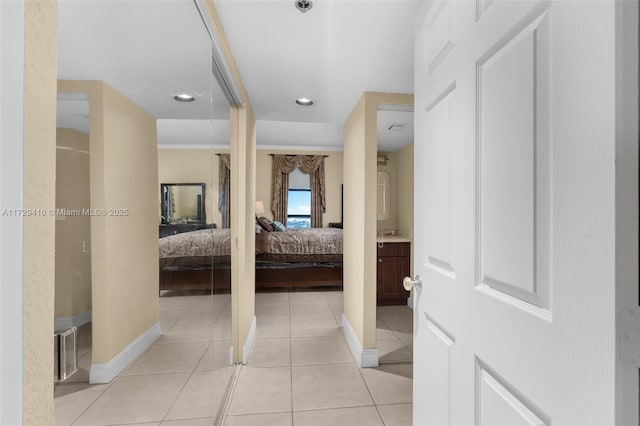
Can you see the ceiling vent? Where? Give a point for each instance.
(304, 5)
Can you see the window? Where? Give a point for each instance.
(299, 201)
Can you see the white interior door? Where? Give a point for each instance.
(515, 234)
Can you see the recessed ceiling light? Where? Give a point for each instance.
(304, 101)
(184, 97)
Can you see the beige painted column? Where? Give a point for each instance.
(40, 59)
(246, 289)
(359, 259)
(242, 125)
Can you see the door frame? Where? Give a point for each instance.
(627, 16)
(11, 187)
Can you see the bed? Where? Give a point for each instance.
(295, 258)
(196, 260)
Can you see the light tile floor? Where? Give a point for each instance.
(300, 371)
(180, 380)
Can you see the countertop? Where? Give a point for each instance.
(393, 239)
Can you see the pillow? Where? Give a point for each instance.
(258, 229)
(277, 226)
(265, 224)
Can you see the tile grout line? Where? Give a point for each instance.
(95, 400)
(397, 337)
(225, 405)
(185, 383)
(117, 378)
(375, 404)
(195, 366)
(104, 391)
(290, 359)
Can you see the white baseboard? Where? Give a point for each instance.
(63, 323)
(246, 348)
(410, 302)
(105, 373)
(364, 357)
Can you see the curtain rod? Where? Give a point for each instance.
(293, 155)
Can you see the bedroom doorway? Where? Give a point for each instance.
(159, 245)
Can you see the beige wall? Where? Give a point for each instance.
(124, 260)
(73, 266)
(359, 217)
(333, 180)
(192, 166)
(40, 59)
(360, 178)
(405, 194)
(405, 189)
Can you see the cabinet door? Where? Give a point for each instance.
(391, 271)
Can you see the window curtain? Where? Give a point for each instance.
(224, 189)
(285, 164)
(172, 205)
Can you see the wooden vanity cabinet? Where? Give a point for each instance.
(394, 263)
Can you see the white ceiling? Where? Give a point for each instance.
(193, 133)
(331, 54)
(73, 114)
(400, 135)
(150, 51)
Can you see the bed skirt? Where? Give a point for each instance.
(268, 275)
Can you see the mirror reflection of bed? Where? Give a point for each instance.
(194, 229)
(304, 257)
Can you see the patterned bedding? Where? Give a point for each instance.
(208, 247)
(300, 246)
(201, 243)
(300, 242)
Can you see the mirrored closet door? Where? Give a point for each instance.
(143, 245)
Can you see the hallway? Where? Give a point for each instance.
(300, 371)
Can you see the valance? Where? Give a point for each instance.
(311, 164)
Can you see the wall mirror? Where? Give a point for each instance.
(384, 195)
(182, 203)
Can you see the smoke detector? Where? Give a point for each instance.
(304, 5)
(396, 127)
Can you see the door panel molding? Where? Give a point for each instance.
(438, 113)
(499, 402)
(482, 6)
(513, 197)
(440, 30)
(440, 345)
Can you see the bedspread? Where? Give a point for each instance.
(204, 242)
(314, 241)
